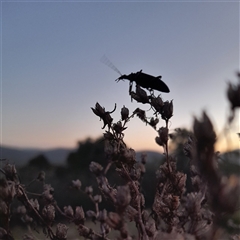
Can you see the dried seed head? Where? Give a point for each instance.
(124, 113)
(153, 122)
(233, 94)
(10, 172)
(150, 228)
(162, 139)
(99, 110)
(3, 208)
(105, 116)
(89, 190)
(123, 197)
(141, 95)
(129, 155)
(34, 203)
(118, 128)
(91, 214)
(135, 96)
(167, 110)
(135, 173)
(76, 184)
(114, 220)
(84, 231)
(95, 168)
(7, 190)
(27, 219)
(61, 231)
(102, 216)
(97, 198)
(157, 103)
(196, 182)
(79, 217)
(111, 149)
(193, 203)
(21, 210)
(47, 196)
(141, 114)
(68, 211)
(108, 136)
(41, 176)
(48, 213)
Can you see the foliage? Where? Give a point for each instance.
(202, 212)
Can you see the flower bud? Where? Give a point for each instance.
(61, 231)
(124, 113)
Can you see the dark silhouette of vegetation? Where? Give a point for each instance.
(40, 162)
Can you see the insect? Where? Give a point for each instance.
(142, 79)
(146, 81)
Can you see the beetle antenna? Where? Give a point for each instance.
(107, 62)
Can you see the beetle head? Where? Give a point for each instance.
(122, 77)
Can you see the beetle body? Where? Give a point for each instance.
(146, 81)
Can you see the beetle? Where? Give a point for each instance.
(146, 81)
(142, 79)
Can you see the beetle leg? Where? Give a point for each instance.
(130, 87)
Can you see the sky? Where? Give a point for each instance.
(52, 73)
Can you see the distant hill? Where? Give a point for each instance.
(56, 156)
(21, 156)
(231, 157)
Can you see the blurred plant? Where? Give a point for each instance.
(202, 213)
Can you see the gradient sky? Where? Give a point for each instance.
(51, 73)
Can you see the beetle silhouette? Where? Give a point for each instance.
(142, 79)
(146, 81)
